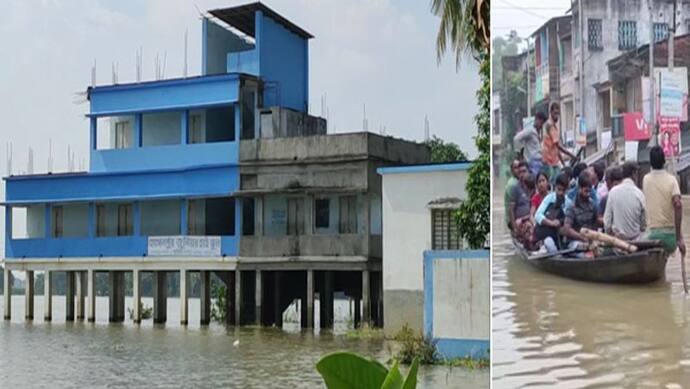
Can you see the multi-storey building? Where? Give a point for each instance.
(224, 172)
(608, 29)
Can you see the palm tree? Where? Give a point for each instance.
(464, 27)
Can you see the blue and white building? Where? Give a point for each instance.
(223, 172)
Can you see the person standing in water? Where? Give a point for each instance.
(663, 203)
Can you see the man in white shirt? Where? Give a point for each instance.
(625, 216)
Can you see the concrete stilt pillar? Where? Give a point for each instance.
(120, 296)
(48, 295)
(366, 308)
(205, 297)
(7, 293)
(29, 295)
(116, 301)
(91, 301)
(238, 297)
(81, 291)
(69, 295)
(136, 297)
(358, 312)
(160, 297)
(257, 298)
(184, 303)
(277, 306)
(309, 306)
(326, 300)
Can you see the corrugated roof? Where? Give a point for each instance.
(242, 18)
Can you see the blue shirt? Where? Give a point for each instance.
(550, 199)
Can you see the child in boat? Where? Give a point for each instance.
(550, 215)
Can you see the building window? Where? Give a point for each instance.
(627, 34)
(125, 226)
(594, 34)
(444, 230)
(348, 215)
(57, 226)
(123, 137)
(660, 31)
(100, 220)
(322, 213)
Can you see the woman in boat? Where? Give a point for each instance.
(543, 188)
(550, 215)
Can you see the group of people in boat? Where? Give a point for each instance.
(548, 203)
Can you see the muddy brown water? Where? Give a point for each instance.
(552, 332)
(101, 355)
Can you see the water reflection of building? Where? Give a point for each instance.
(224, 172)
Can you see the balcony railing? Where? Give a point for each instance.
(120, 246)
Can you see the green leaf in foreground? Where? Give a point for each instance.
(411, 380)
(349, 371)
(394, 379)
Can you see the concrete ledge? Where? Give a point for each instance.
(122, 263)
(459, 348)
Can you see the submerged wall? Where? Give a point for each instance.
(457, 302)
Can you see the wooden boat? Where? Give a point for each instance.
(644, 266)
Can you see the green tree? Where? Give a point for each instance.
(464, 28)
(501, 47)
(442, 151)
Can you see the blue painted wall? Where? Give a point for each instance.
(216, 43)
(199, 181)
(457, 347)
(283, 64)
(177, 94)
(121, 246)
(164, 157)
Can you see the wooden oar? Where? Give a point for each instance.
(612, 240)
(682, 270)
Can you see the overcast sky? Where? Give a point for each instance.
(524, 16)
(375, 52)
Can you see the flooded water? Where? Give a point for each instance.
(551, 332)
(81, 354)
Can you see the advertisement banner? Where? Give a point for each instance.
(186, 246)
(673, 90)
(635, 127)
(669, 135)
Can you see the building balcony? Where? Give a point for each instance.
(246, 62)
(120, 246)
(337, 245)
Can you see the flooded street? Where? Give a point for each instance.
(81, 354)
(549, 331)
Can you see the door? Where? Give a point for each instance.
(295, 216)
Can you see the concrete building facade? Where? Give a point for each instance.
(224, 173)
(418, 202)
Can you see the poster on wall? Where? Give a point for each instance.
(669, 135)
(635, 127)
(631, 150)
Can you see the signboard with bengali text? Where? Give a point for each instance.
(190, 246)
